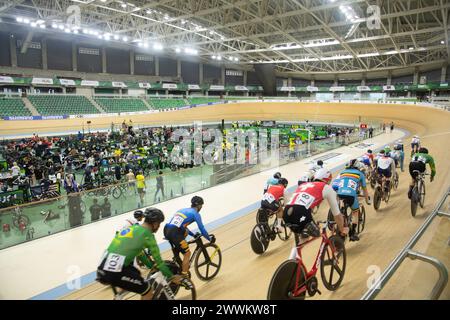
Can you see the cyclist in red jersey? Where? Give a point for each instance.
(297, 211)
(273, 200)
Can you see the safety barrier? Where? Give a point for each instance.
(408, 252)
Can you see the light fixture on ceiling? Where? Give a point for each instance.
(177, 50)
(157, 46)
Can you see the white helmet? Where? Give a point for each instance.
(323, 175)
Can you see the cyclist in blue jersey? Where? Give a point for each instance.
(351, 179)
(272, 181)
(176, 231)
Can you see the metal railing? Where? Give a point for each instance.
(408, 252)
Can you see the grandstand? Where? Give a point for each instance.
(64, 104)
(13, 107)
(111, 105)
(166, 103)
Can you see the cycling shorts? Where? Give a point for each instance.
(298, 216)
(416, 165)
(274, 206)
(366, 161)
(351, 200)
(177, 238)
(129, 279)
(385, 172)
(415, 144)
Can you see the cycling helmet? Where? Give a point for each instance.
(323, 175)
(382, 152)
(320, 163)
(196, 200)
(153, 215)
(351, 163)
(283, 181)
(138, 214)
(277, 175)
(369, 151)
(423, 150)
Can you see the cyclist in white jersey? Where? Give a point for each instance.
(386, 167)
(415, 144)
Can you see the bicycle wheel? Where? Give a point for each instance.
(284, 279)
(259, 238)
(373, 180)
(421, 193)
(285, 234)
(377, 198)
(396, 181)
(361, 219)
(387, 194)
(414, 201)
(334, 257)
(117, 192)
(183, 293)
(262, 216)
(207, 268)
(330, 220)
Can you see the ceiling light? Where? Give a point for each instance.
(251, 61)
(100, 36)
(40, 21)
(123, 5)
(214, 57)
(33, 24)
(230, 58)
(125, 39)
(103, 1)
(54, 25)
(25, 20)
(442, 42)
(177, 50)
(148, 11)
(116, 37)
(85, 31)
(157, 46)
(139, 44)
(145, 45)
(66, 30)
(61, 27)
(42, 26)
(411, 48)
(219, 58)
(75, 31)
(211, 32)
(19, 19)
(236, 59)
(183, 21)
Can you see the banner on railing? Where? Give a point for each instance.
(144, 85)
(42, 81)
(216, 88)
(312, 89)
(36, 117)
(362, 88)
(337, 88)
(169, 86)
(67, 82)
(287, 89)
(240, 88)
(6, 80)
(89, 83)
(389, 88)
(193, 87)
(119, 84)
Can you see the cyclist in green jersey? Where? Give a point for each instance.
(418, 163)
(116, 266)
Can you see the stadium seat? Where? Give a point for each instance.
(13, 107)
(166, 103)
(111, 105)
(202, 100)
(61, 105)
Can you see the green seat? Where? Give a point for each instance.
(113, 105)
(62, 104)
(201, 100)
(13, 107)
(166, 103)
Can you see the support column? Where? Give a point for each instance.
(444, 74)
(74, 57)
(178, 68)
(44, 54)
(416, 77)
(289, 82)
(156, 66)
(131, 62)
(313, 82)
(389, 78)
(200, 73)
(12, 51)
(222, 78)
(103, 60)
(245, 77)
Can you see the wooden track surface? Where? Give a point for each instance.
(245, 275)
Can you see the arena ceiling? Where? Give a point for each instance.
(298, 36)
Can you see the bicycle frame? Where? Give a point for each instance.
(297, 254)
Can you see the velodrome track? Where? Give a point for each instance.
(245, 275)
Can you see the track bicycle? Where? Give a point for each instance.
(418, 192)
(292, 280)
(345, 208)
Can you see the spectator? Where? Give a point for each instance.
(15, 170)
(384, 127)
(370, 132)
(159, 185)
(140, 184)
(131, 179)
(106, 208)
(75, 213)
(95, 210)
(392, 126)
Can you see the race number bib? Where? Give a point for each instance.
(304, 199)
(177, 221)
(114, 262)
(352, 184)
(268, 197)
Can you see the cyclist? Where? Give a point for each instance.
(116, 266)
(399, 153)
(273, 200)
(138, 216)
(386, 167)
(272, 181)
(351, 179)
(418, 162)
(367, 159)
(415, 144)
(176, 231)
(307, 196)
(309, 174)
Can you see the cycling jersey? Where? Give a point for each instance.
(271, 182)
(129, 244)
(425, 158)
(366, 159)
(385, 163)
(274, 193)
(184, 217)
(415, 141)
(350, 181)
(335, 183)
